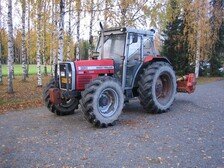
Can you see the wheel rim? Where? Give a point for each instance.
(108, 102)
(164, 88)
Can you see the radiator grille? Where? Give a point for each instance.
(83, 80)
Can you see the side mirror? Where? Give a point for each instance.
(135, 38)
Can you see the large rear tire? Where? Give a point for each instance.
(67, 107)
(102, 101)
(157, 87)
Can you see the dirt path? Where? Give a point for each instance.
(191, 134)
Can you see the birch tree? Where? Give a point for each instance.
(131, 12)
(78, 10)
(197, 31)
(69, 34)
(43, 34)
(92, 14)
(38, 55)
(10, 48)
(23, 40)
(91, 17)
(1, 81)
(28, 39)
(61, 31)
(54, 34)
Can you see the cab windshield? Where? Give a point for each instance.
(114, 45)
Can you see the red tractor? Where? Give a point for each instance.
(125, 65)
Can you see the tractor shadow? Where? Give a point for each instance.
(132, 115)
(181, 103)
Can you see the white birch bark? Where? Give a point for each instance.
(1, 80)
(68, 54)
(28, 41)
(197, 58)
(61, 32)
(38, 56)
(44, 41)
(78, 8)
(105, 13)
(10, 48)
(55, 34)
(23, 40)
(52, 36)
(91, 18)
(91, 27)
(198, 45)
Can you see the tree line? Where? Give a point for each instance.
(51, 31)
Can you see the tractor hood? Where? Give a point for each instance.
(93, 66)
(87, 70)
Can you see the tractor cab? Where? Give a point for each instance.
(128, 48)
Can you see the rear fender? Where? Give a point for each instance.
(149, 59)
(146, 61)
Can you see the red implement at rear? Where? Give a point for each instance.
(187, 83)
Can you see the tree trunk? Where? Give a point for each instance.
(39, 77)
(68, 54)
(78, 8)
(10, 48)
(44, 41)
(91, 28)
(123, 17)
(123, 8)
(106, 13)
(55, 34)
(28, 42)
(61, 32)
(52, 36)
(197, 59)
(23, 40)
(1, 81)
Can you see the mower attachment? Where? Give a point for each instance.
(187, 83)
(55, 95)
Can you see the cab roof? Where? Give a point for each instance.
(129, 30)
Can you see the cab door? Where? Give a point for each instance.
(134, 58)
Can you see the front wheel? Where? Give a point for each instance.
(67, 106)
(102, 101)
(157, 87)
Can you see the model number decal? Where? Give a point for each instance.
(81, 68)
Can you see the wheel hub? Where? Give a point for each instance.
(108, 102)
(104, 100)
(163, 88)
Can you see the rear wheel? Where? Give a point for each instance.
(102, 101)
(157, 87)
(67, 106)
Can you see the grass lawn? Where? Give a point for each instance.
(18, 69)
(203, 80)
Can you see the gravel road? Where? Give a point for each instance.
(191, 134)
